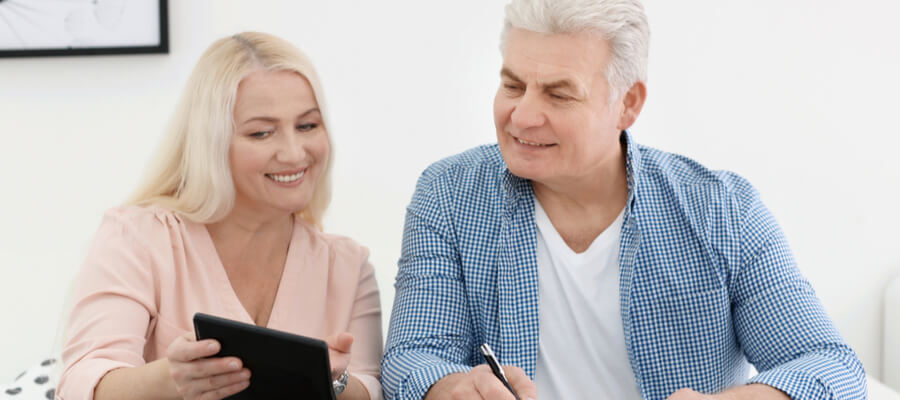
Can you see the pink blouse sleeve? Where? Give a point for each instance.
(365, 325)
(112, 303)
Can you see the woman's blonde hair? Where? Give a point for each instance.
(190, 172)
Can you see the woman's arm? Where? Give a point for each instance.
(187, 372)
(150, 381)
(114, 303)
(112, 307)
(365, 326)
(355, 390)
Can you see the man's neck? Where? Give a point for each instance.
(581, 209)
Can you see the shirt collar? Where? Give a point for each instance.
(515, 187)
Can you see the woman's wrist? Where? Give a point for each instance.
(150, 381)
(164, 378)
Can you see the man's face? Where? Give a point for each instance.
(552, 113)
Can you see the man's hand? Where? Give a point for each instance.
(751, 391)
(688, 394)
(480, 383)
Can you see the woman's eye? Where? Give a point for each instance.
(306, 127)
(260, 134)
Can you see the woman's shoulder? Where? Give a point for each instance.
(145, 221)
(339, 247)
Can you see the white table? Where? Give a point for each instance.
(878, 391)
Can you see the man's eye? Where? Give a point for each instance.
(555, 96)
(306, 127)
(512, 87)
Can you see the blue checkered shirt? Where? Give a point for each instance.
(708, 283)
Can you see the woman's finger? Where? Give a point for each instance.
(224, 392)
(184, 350)
(211, 367)
(220, 381)
(341, 342)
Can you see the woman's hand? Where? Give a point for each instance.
(339, 353)
(200, 378)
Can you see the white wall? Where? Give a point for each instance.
(799, 96)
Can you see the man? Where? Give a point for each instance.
(593, 266)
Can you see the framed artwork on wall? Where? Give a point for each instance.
(37, 28)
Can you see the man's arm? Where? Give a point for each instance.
(430, 330)
(780, 324)
(748, 392)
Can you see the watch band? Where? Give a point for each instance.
(340, 384)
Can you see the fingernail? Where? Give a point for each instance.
(211, 346)
(245, 374)
(233, 365)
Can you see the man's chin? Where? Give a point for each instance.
(528, 171)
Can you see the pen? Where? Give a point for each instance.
(495, 366)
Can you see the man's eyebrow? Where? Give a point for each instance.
(560, 84)
(509, 74)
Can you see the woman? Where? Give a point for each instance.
(226, 223)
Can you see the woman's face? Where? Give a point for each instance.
(280, 147)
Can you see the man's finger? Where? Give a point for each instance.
(523, 385)
(488, 385)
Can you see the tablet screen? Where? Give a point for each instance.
(282, 365)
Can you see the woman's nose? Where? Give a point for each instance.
(291, 149)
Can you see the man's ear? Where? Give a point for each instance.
(633, 102)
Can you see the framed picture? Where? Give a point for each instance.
(36, 28)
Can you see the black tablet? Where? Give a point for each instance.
(282, 365)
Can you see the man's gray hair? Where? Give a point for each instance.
(622, 22)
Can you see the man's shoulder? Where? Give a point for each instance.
(474, 166)
(660, 168)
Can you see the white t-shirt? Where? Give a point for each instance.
(582, 351)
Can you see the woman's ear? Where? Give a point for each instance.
(633, 102)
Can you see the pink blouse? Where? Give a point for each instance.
(149, 270)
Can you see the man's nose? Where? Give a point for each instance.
(529, 111)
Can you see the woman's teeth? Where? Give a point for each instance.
(287, 178)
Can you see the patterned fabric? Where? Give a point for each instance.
(708, 283)
(35, 383)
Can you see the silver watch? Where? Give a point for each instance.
(340, 384)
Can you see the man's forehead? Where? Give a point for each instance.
(549, 75)
(549, 58)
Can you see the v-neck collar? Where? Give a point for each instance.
(226, 293)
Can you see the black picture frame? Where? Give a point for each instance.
(161, 47)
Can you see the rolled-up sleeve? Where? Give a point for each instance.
(430, 330)
(780, 323)
(112, 304)
(365, 325)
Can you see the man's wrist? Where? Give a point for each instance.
(441, 389)
(752, 391)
